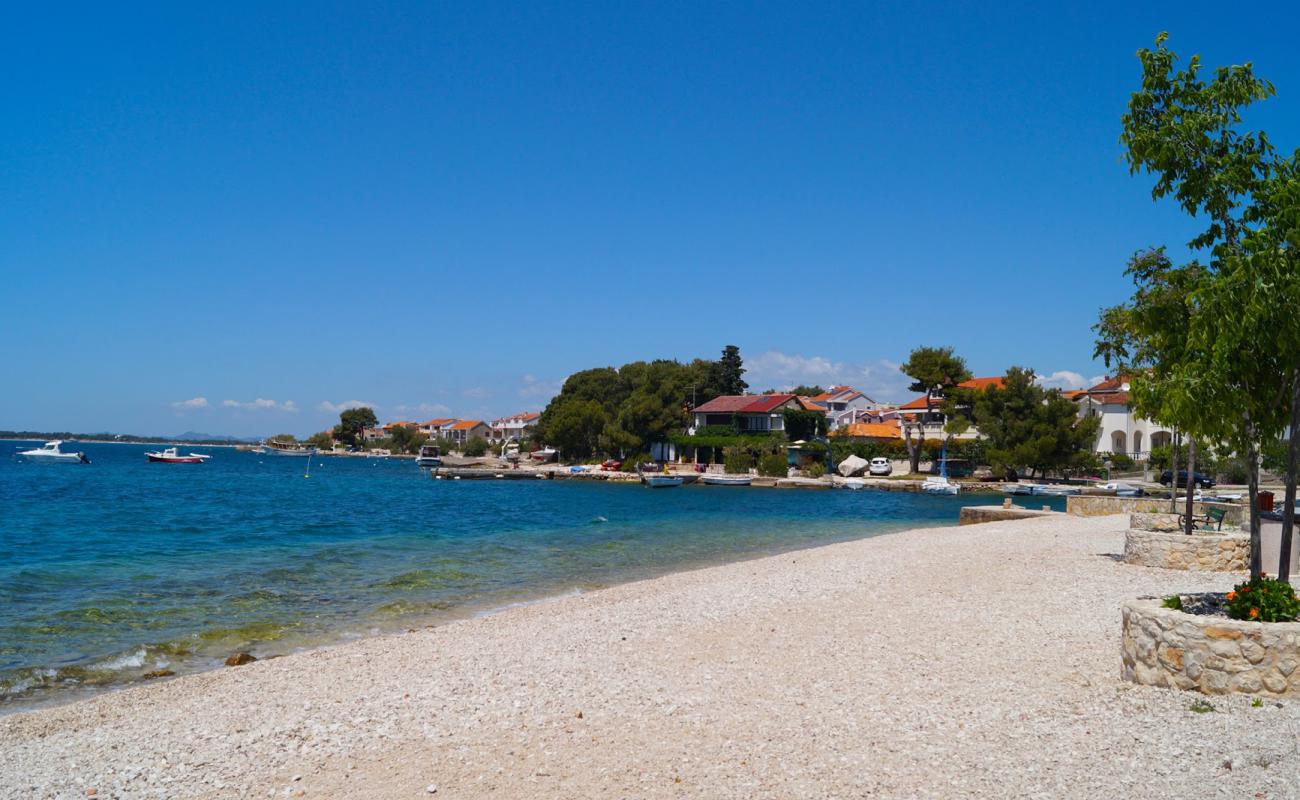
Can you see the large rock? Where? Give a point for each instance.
(852, 466)
(240, 659)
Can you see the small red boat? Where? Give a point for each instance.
(170, 456)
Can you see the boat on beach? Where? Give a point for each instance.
(49, 453)
(662, 481)
(939, 484)
(726, 480)
(171, 456)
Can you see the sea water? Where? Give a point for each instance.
(119, 569)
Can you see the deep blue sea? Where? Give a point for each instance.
(115, 569)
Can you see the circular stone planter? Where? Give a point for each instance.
(1214, 655)
(1153, 540)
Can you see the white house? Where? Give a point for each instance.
(518, 427)
(753, 413)
(1121, 431)
(437, 428)
(843, 405)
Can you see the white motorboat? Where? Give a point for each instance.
(1058, 491)
(430, 456)
(51, 454)
(1122, 489)
(854, 483)
(170, 456)
(939, 484)
(275, 448)
(545, 455)
(726, 480)
(662, 481)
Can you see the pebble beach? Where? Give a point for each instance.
(980, 661)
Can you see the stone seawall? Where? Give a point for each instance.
(1102, 505)
(1214, 655)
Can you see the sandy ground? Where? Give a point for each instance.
(957, 662)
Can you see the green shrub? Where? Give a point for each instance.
(816, 469)
(737, 461)
(1173, 601)
(1263, 600)
(631, 463)
(475, 447)
(1232, 470)
(773, 465)
(1121, 462)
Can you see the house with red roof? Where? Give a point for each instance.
(842, 405)
(463, 430)
(517, 427)
(752, 413)
(1122, 431)
(933, 421)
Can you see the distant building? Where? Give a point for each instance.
(517, 427)
(843, 405)
(889, 431)
(753, 413)
(1121, 430)
(437, 428)
(933, 422)
(466, 429)
(373, 434)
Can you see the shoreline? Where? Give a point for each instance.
(927, 662)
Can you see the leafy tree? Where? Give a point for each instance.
(807, 391)
(352, 422)
(321, 441)
(933, 370)
(575, 426)
(1025, 425)
(287, 438)
(476, 446)
(730, 368)
(1215, 347)
(406, 439)
(801, 424)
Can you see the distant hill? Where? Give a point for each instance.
(196, 436)
(189, 437)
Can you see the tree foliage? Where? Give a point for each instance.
(1027, 426)
(933, 370)
(406, 439)
(352, 422)
(801, 424)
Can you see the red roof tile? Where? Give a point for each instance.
(745, 404)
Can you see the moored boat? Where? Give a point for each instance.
(51, 454)
(939, 484)
(430, 456)
(170, 456)
(662, 481)
(276, 448)
(726, 480)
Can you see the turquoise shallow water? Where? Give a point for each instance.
(118, 568)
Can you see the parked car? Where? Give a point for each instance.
(880, 466)
(1202, 481)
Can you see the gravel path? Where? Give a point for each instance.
(980, 661)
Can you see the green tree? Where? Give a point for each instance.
(804, 425)
(476, 447)
(575, 426)
(407, 439)
(321, 441)
(1219, 355)
(807, 391)
(1025, 425)
(287, 438)
(352, 422)
(933, 370)
(730, 368)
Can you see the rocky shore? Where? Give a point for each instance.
(981, 661)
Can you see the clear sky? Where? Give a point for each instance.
(444, 209)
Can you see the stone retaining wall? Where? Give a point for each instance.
(1102, 505)
(975, 515)
(1201, 552)
(1214, 655)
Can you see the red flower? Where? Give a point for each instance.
(1232, 595)
(1254, 612)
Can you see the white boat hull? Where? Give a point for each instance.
(726, 480)
(662, 481)
(940, 486)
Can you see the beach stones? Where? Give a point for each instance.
(240, 659)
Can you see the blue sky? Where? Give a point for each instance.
(444, 209)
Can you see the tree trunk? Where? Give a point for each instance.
(1191, 485)
(1292, 464)
(913, 449)
(1252, 480)
(1173, 473)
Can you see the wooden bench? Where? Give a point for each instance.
(1211, 521)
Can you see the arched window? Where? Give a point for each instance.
(1118, 442)
(1137, 442)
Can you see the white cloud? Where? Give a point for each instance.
(477, 392)
(1066, 380)
(335, 408)
(261, 404)
(880, 379)
(191, 404)
(533, 388)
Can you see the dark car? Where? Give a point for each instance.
(1202, 481)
